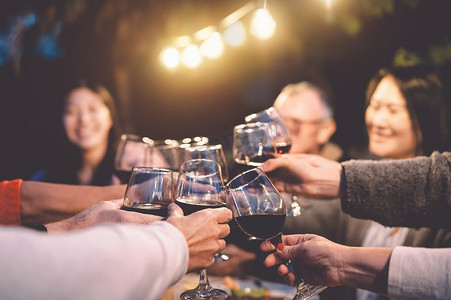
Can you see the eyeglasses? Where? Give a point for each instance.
(296, 124)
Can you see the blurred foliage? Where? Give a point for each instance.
(404, 57)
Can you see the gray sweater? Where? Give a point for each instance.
(411, 192)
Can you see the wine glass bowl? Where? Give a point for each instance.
(212, 152)
(164, 154)
(253, 144)
(132, 151)
(280, 132)
(150, 191)
(257, 206)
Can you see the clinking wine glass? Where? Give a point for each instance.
(259, 211)
(213, 152)
(253, 143)
(132, 152)
(280, 132)
(149, 191)
(164, 154)
(200, 186)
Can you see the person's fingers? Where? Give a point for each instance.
(223, 214)
(270, 261)
(272, 164)
(222, 245)
(266, 246)
(289, 278)
(117, 202)
(283, 270)
(174, 210)
(224, 230)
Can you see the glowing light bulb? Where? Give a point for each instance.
(212, 47)
(191, 56)
(235, 35)
(329, 4)
(170, 57)
(263, 25)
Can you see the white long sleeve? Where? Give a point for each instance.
(111, 261)
(420, 273)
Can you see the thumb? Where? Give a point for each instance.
(174, 210)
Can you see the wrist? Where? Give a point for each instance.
(366, 268)
(58, 226)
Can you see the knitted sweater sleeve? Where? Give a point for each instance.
(410, 193)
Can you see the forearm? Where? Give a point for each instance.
(420, 273)
(42, 203)
(412, 193)
(366, 268)
(143, 253)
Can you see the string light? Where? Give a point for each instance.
(263, 25)
(191, 56)
(209, 42)
(170, 57)
(235, 34)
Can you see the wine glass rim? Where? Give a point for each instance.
(137, 138)
(152, 169)
(204, 147)
(166, 143)
(251, 125)
(257, 170)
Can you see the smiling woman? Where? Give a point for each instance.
(406, 113)
(90, 136)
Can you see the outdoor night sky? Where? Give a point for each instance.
(45, 45)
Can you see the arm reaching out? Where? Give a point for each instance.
(322, 262)
(101, 212)
(305, 174)
(42, 203)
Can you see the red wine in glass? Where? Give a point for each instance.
(151, 209)
(283, 148)
(190, 206)
(123, 175)
(261, 226)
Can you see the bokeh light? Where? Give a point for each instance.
(235, 35)
(263, 25)
(170, 57)
(191, 56)
(212, 47)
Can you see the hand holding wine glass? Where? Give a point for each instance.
(200, 186)
(259, 211)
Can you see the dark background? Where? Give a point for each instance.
(117, 43)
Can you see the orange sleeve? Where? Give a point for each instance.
(10, 202)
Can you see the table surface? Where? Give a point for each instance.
(191, 280)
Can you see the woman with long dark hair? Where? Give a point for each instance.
(91, 133)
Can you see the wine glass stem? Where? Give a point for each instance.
(203, 279)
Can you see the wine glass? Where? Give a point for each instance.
(132, 152)
(259, 211)
(200, 186)
(164, 154)
(272, 117)
(253, 144)
(213, 152)
(149, 191)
